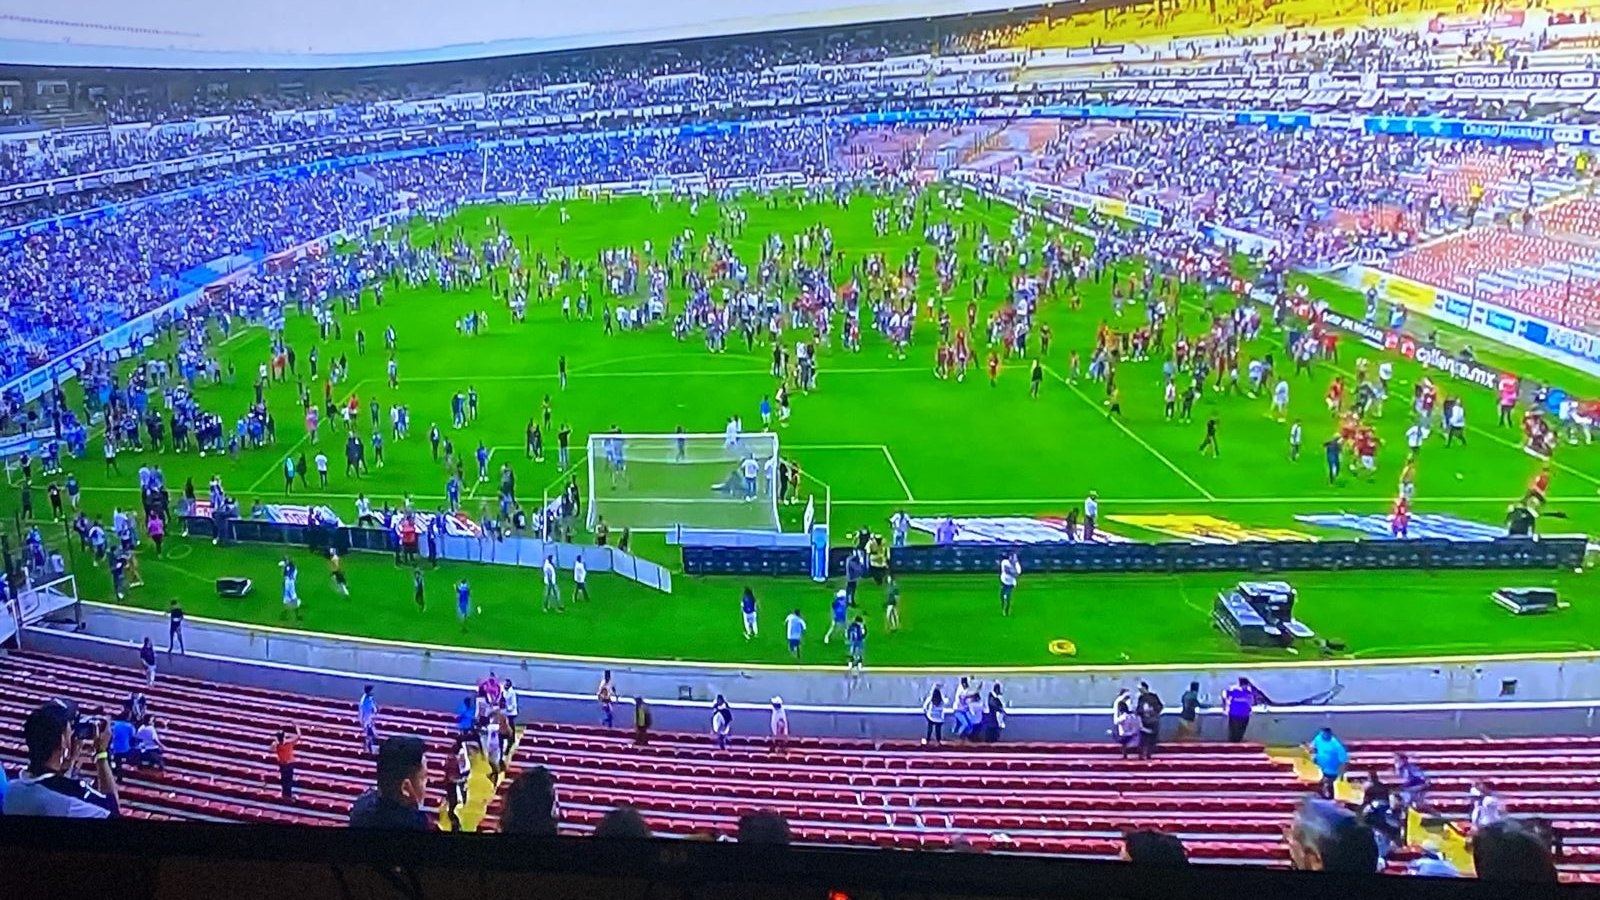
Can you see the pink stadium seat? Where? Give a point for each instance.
(1469, 262)
(1227, 802)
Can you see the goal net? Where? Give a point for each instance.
(654, 482)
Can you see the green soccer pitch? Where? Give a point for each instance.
(882, 434)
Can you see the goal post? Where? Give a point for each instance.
(656, 482)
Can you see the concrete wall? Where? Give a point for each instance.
(1400, 700)
(1552, 677)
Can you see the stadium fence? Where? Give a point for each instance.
(507, 550)
(1560, 552)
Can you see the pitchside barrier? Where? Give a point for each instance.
(1563, 552)
(525, 552)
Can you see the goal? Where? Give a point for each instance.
(655, 482)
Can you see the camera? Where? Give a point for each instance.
(87, 727)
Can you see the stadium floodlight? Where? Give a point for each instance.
(656, 482)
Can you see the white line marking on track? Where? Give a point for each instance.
(670, 373)
(898, 477)
(1137, 439)
(862, 447)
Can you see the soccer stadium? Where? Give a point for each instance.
(1158, 431)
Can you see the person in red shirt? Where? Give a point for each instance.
(1539, 488)
(283, 750)
(1367, 449)
(408, 539)
(994, 367)
(1335, 395)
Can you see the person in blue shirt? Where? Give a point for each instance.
(855, 638)
(1330, 757)
(841, 610)
(483, 463)
(121, 748)
(452, 492)
(367, 715)
(467, 720)
(463, 602)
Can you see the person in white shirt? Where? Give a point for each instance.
(492, 739)
(1124, 722)
(749, 469)
(509, 703)
(1455, 424)
(933, 709)
(900, 525)
(1091, 510)
(1415, 435)
(149, 752)
(1280, 400)
(1580, 422)
(364, 511)
(1487, 807)
(1010, 568)
(552, 591)
(780, 725)
(721, 722)
(456, 789)
(580, 579)
(794, 629)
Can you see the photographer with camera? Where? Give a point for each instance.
(56, 736)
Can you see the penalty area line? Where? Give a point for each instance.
(1176, 470)
(897, 475)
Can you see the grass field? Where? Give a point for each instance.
(880, 434)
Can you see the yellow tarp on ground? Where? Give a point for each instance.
(481, 791)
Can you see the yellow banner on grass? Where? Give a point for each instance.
(1209, 529)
